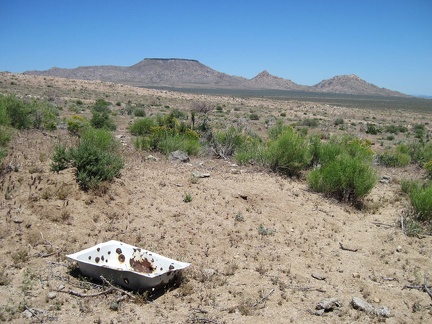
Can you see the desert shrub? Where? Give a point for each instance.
(4, 116)
(165, 134)
(310, 122)
(5, 135)
(394, 159)
(289, 153)
(101, 106)
(76, 124)
(182, 142)
(255, 152)
(3, 154)
(343, 168)
(102, 120)
(139, 112)
(176, 113)
(277, 129)
(339, 121)
(253, 116)
(225, 143)
(142, 126)
(23, 115)
(61, 158)
(419, 151)
(97, 158)
(419, 131)
(372, 129)
(421, 200)
(18, 112)
(408, 185)
(44, 116)
(202, 107)
(347, 178)
(79, 102)
(428, 168)
(142, 143)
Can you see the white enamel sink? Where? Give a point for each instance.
(128, 266)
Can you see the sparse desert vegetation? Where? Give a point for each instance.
(284, 203)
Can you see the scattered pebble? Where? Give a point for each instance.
(51, 295)
(319, 276)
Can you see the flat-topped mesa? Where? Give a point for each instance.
(169, 59)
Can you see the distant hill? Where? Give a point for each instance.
(265, 80)
(352, 84)
(185, 73)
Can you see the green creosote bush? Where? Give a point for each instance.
(394, 159)
(165, 134)
(61, 158)
(139, 112)
(421, 200)
(428, 168)
(102, 120)
(97, 158)
(289, 153)
(225, 143)
(253, 116)
(339, 121)
(76, 124)
(101, 106)
(347, 178)
(142, 126)
(372, 129)
(343, 169)
(310, 122)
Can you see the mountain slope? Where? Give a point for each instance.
(183, 73)
(352, 84)
(151, 72)
(265, 80)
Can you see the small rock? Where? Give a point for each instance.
(360, 304)
(114, 306)
(208, 273)
(243, 196)
(399, 248)
(51, 295)
(201, 175)
(356, 275)
(318, 276)
(179, 156)
(235, 171)
(327, 305)
(27, 313)
(382, 311)
(376, 300)
(151, 158)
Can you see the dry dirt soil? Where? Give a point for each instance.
(263, 248)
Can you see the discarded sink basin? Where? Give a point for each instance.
(128, 266)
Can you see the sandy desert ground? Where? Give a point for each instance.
(263, 248)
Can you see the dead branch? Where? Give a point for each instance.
(263, 299)
(347, 249)
(418, 287)
(33, 313)
(383, 224)
(118, 289)
(426, 288)
(309, 289)
(78, 294)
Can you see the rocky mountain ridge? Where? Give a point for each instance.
(184, 73)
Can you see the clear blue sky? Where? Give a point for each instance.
(388, 43)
